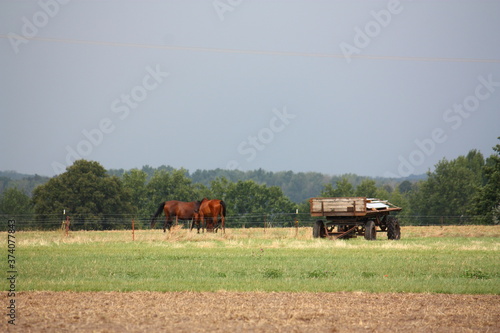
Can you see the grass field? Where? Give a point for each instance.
(458, 260)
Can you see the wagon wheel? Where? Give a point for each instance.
(393, 228)
(370, 232)
(319, 229)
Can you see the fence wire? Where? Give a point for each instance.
(280, 220)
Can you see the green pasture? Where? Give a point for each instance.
(253, 260)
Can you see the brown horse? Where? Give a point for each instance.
(180, 209)
(211, 210)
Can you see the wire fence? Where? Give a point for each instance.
(280, 220)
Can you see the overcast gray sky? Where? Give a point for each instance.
(377, 88)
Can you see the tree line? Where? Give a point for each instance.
(96, 198)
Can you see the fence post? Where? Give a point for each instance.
(133, 230)
(296, 223)
(66, 225)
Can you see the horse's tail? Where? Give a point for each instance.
(223, 204)
(158, 212)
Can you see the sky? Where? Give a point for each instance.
(376, 88)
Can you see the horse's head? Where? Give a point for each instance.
(210, 225)
(197, 204)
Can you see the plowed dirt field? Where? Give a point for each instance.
(253, 312)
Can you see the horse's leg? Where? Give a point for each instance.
(208, 224)
(214, 222)
(194, 221)
(222, 220)
(212, 225)
(168, 224)
(198, 223)
(202, 222)
(216, 219)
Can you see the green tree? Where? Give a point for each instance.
(382, 193)
(219, 188)
(450, 189)
(14, 202)
(245, 197)
(487, 199)
(166, 185)
(405, 187)
(400, 200)
(90, 197)
(135, 182)
(343, 188)
(248, 200)
(304, 208)
(367, 188)
(328, 191)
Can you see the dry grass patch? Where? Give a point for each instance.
(180, 234)
(451, 231)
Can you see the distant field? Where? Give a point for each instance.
(450, 259)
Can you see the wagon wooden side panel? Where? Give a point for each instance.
(341, 206)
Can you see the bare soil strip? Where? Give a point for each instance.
(253, 312)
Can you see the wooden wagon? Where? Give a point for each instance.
(348, 217)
